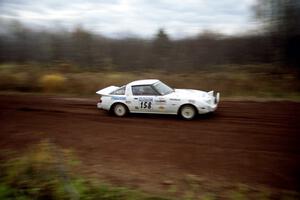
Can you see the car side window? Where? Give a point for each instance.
(120, 91)
(145, 90)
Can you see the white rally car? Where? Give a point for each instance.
(153, 96)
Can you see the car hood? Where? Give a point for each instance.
(188, 94)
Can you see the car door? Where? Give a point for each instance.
(144, 99)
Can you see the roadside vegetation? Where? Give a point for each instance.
(46, 171)
(233, 81)
(262, 63)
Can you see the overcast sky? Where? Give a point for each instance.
(115, 18)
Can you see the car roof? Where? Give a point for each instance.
(144, 82)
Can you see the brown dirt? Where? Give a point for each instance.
(248, 142)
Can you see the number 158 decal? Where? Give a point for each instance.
(146, 105)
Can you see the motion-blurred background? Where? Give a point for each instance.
(241, 48)
(245, 49)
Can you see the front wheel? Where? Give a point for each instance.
(187, 112)
(120, 110)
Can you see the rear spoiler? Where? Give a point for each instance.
(107, 90)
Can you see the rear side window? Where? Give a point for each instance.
(146, 90)
(120, 91)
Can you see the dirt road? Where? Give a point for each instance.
(249, 142)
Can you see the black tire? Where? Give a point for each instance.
(120, 110)
(187, 112)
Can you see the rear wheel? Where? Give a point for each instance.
(187, 112)
(120, 110)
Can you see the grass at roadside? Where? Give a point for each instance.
(45, 171)
(235, 82)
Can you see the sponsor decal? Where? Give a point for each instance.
(118, 98)
(136, 107)
(161, 107)
(129, 102)
(175, 99)
(160, 101)
(148, 99)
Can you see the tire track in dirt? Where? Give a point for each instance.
(251, 142)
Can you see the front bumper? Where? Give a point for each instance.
(215, 96)
(212, 105)
(99, 106)
(207, 109)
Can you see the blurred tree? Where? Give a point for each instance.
(129, 53)
(89, 51)
(161, 43)
(207, 52)
(281, 19)
(161, 49)
(83, 48)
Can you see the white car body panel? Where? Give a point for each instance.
(107, 90)
(204, 102)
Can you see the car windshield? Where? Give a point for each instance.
(162, 88)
